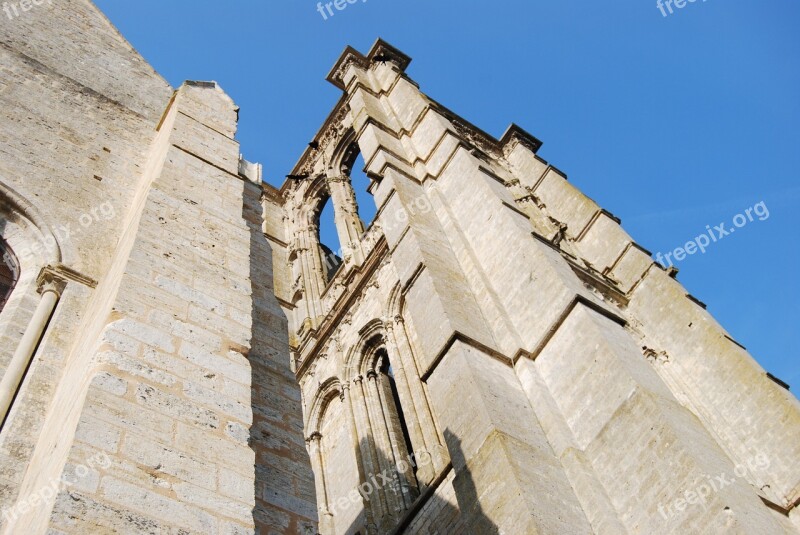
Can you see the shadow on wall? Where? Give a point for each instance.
(430, 513)
(284, 483)
(472, 514)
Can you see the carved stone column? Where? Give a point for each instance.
(362, 454)
(325, 517)
(402, 474)
(420, 398)
(308, 253)
(51, 285)
(368, 450)
(425, 473)
(383, 442)
(348, 223)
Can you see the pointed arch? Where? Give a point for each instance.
(395, 302)
(16, 210)
(327, 392)
(385, 427)
(345, 154)
(23, 230)
(361, 356)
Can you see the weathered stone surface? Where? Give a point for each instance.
(493, 355)
(554, 374)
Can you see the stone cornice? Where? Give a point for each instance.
(272, 194)
(349, 57)
(576, 301)
(458, 336)
(383, 51)
(516, 135)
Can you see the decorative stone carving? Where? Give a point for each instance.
(655, 357)
(333, 130)
(54, 278)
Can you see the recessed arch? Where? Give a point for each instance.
(345, 154)
(24, 231)
(347, 161)
(16, 211)
(394, 303)
(362, 355)
(315, 195)
(327, 392)
(316, 212)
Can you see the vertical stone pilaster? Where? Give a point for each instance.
(407, 399)
(383, 442)
(381, 507)
(325, 516)
(419, 403)
(348, 223)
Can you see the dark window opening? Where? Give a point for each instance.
(386, 369)
(353, 165)
(9, 272)
(329, 245)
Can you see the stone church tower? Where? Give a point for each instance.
(492, 354)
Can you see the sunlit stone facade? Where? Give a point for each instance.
(491, 354)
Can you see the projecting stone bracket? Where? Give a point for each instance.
(55, 277)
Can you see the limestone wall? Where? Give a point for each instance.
(576, 386)
(161, 396)
(495, 353)
(75, 139)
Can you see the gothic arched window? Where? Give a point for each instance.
(353, 166)
(9, 272)
(392, 424)
(329, 243)
(395, 410)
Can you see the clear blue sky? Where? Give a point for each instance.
(671, 123)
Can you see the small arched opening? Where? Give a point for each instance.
(353, 166)
(330, 246)
(9, 272)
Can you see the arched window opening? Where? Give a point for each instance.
(330, 247)
(9, 272)
(388, 374)
(353, 166)
(361, 183)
